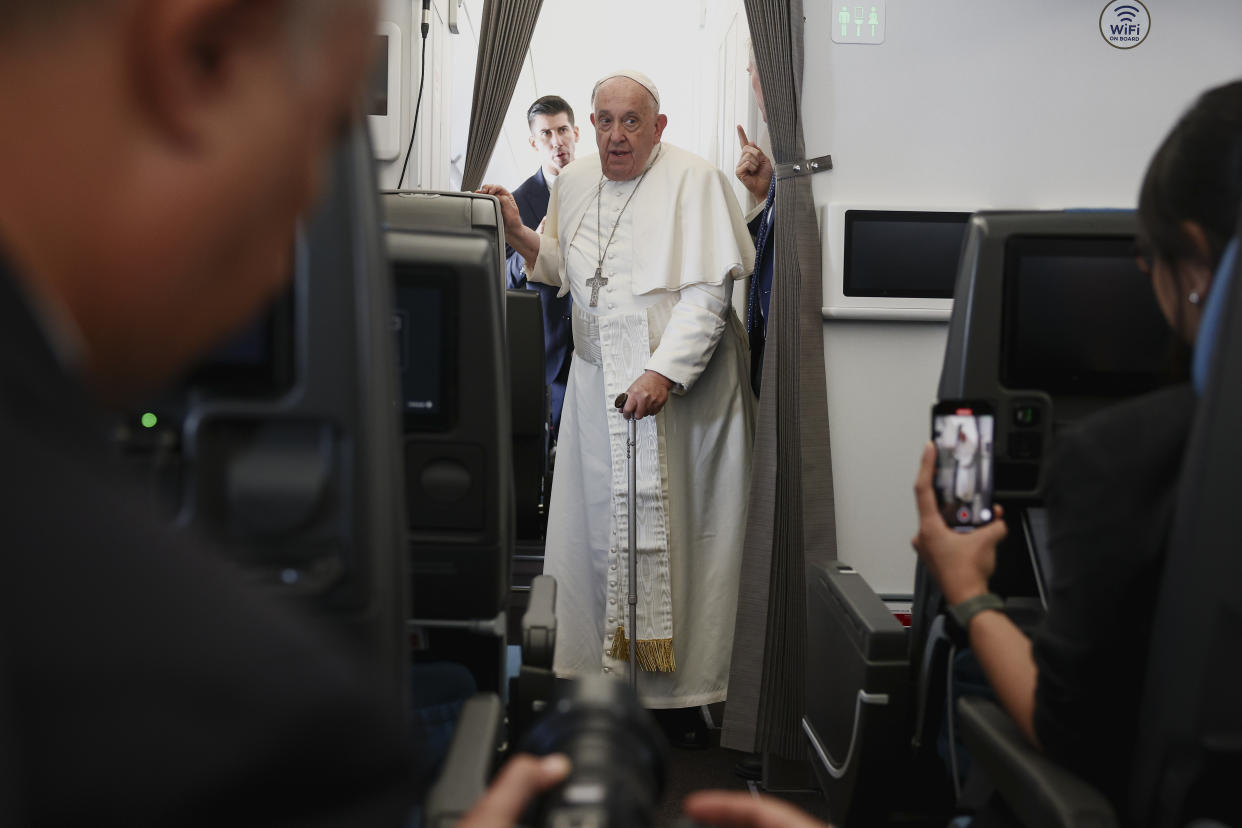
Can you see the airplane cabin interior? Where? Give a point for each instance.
(378, 444)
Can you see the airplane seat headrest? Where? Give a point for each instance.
(1213, 313)
(1188, 755)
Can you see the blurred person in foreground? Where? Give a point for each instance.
(156, 157)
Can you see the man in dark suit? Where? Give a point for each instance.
(754, 170)
(143, 680)
(555, 137)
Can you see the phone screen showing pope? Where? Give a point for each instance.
(962, 431)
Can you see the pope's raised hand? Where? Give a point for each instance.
(754, 168)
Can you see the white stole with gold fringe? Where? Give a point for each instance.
(625, 342)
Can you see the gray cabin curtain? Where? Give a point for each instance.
(792, 519)
(503, 42)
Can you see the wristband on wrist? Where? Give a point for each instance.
(968, 609)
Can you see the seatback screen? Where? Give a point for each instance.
(424, 322)
(1080, 319)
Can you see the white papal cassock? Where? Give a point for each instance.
(678, 248)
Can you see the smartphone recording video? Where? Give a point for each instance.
(962, 432)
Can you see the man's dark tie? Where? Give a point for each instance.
(756, 329)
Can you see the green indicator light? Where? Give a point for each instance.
(149, 420)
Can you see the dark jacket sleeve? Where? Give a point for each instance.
(532, 202)
(1110, 501)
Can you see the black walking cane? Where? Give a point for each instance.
(631, 455)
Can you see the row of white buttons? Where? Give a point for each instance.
(612, 619)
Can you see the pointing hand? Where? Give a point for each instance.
(754, 169)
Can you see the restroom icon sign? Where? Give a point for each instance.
(858, 21)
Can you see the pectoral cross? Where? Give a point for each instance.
(595, 283)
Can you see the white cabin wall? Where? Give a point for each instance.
(723, 87)
(994, 104)
(400, 12)
(438, 157)
(435, 130)
(427, 166)
(724, 100)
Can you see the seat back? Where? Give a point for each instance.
(446, 250)
(1189, 756)
(856, 679)
(529, 397)
(279, 445)
(1024, 334)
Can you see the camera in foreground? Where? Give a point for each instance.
(618, 756)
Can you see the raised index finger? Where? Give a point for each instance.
(741, 136)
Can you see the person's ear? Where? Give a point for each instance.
(1197, 265)
(593, 120)
(183, 57)
(576, 130)
(661, 122)
(532, 141)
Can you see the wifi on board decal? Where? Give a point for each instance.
(1125, 23)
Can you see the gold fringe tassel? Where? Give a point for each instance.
(654, 655)
(620, 645)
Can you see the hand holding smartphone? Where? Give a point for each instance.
(962, 432)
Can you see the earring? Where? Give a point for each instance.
(1194, 298)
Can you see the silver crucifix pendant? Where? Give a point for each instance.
(595, 283)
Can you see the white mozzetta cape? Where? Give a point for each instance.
(678, 249)
(704, 240)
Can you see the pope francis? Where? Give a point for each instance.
(648, 240)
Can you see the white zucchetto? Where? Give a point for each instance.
(637, 77)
